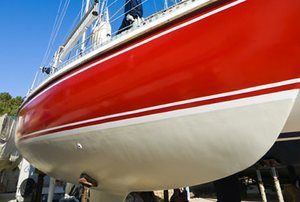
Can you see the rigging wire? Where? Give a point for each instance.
(82, 8)
(61, 12)
(122, 9)
(111, 20)
(111, 4)
(103, 7)
(124, 14)
(56, 30)
(58, 22)
(61, 20)
(52, 32)
(73, 25)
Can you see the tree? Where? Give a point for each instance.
(9, 105)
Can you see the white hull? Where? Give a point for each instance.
(292, 124)
(167, 150)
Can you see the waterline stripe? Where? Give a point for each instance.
(278, 96)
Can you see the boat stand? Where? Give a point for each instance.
(277, 184)
(261, 186)
(40, 183)
(87, 182)
(166, 195)
(68, 189)
(272, 163)
(51, 189)
(188, 193)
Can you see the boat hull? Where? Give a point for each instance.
(196, 100)
(166, 150)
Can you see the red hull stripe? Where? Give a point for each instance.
(161, 110)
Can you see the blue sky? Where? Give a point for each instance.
(26, 26)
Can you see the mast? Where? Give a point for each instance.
(87, 4)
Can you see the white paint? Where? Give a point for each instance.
(292, 124)
(124, 39)
(146, 155)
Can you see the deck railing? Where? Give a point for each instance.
(76, 52)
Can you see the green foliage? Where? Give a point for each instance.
(8, 104)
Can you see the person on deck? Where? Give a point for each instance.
(133, 12)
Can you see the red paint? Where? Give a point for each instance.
(251, 44)
(167, 109)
